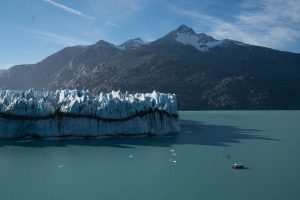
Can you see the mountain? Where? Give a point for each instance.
(2, 71)
(131, 44)
(205, 73)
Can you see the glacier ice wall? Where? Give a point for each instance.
(64, 113)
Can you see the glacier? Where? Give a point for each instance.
(64, 113)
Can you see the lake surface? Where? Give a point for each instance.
(194, 164)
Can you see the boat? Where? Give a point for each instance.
(238, 166)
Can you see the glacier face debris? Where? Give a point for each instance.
(64, 113)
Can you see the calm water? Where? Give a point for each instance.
(268, 142)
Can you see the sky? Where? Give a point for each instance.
(31, 30)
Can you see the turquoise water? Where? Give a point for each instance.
(267, 142)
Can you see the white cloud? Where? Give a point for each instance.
(68, 9)
(59, 39)
(271, 23)
(114, 25)
(55, 38)
(117, 10)
(135, 8)
(192, 14)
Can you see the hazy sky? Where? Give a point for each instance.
(30, 30)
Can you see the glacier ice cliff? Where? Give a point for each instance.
(64, 113)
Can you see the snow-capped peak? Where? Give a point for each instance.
(202, 44)
(185, 29)
(187, 36)
(135, 41)
(200, 41)
(131, 44)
